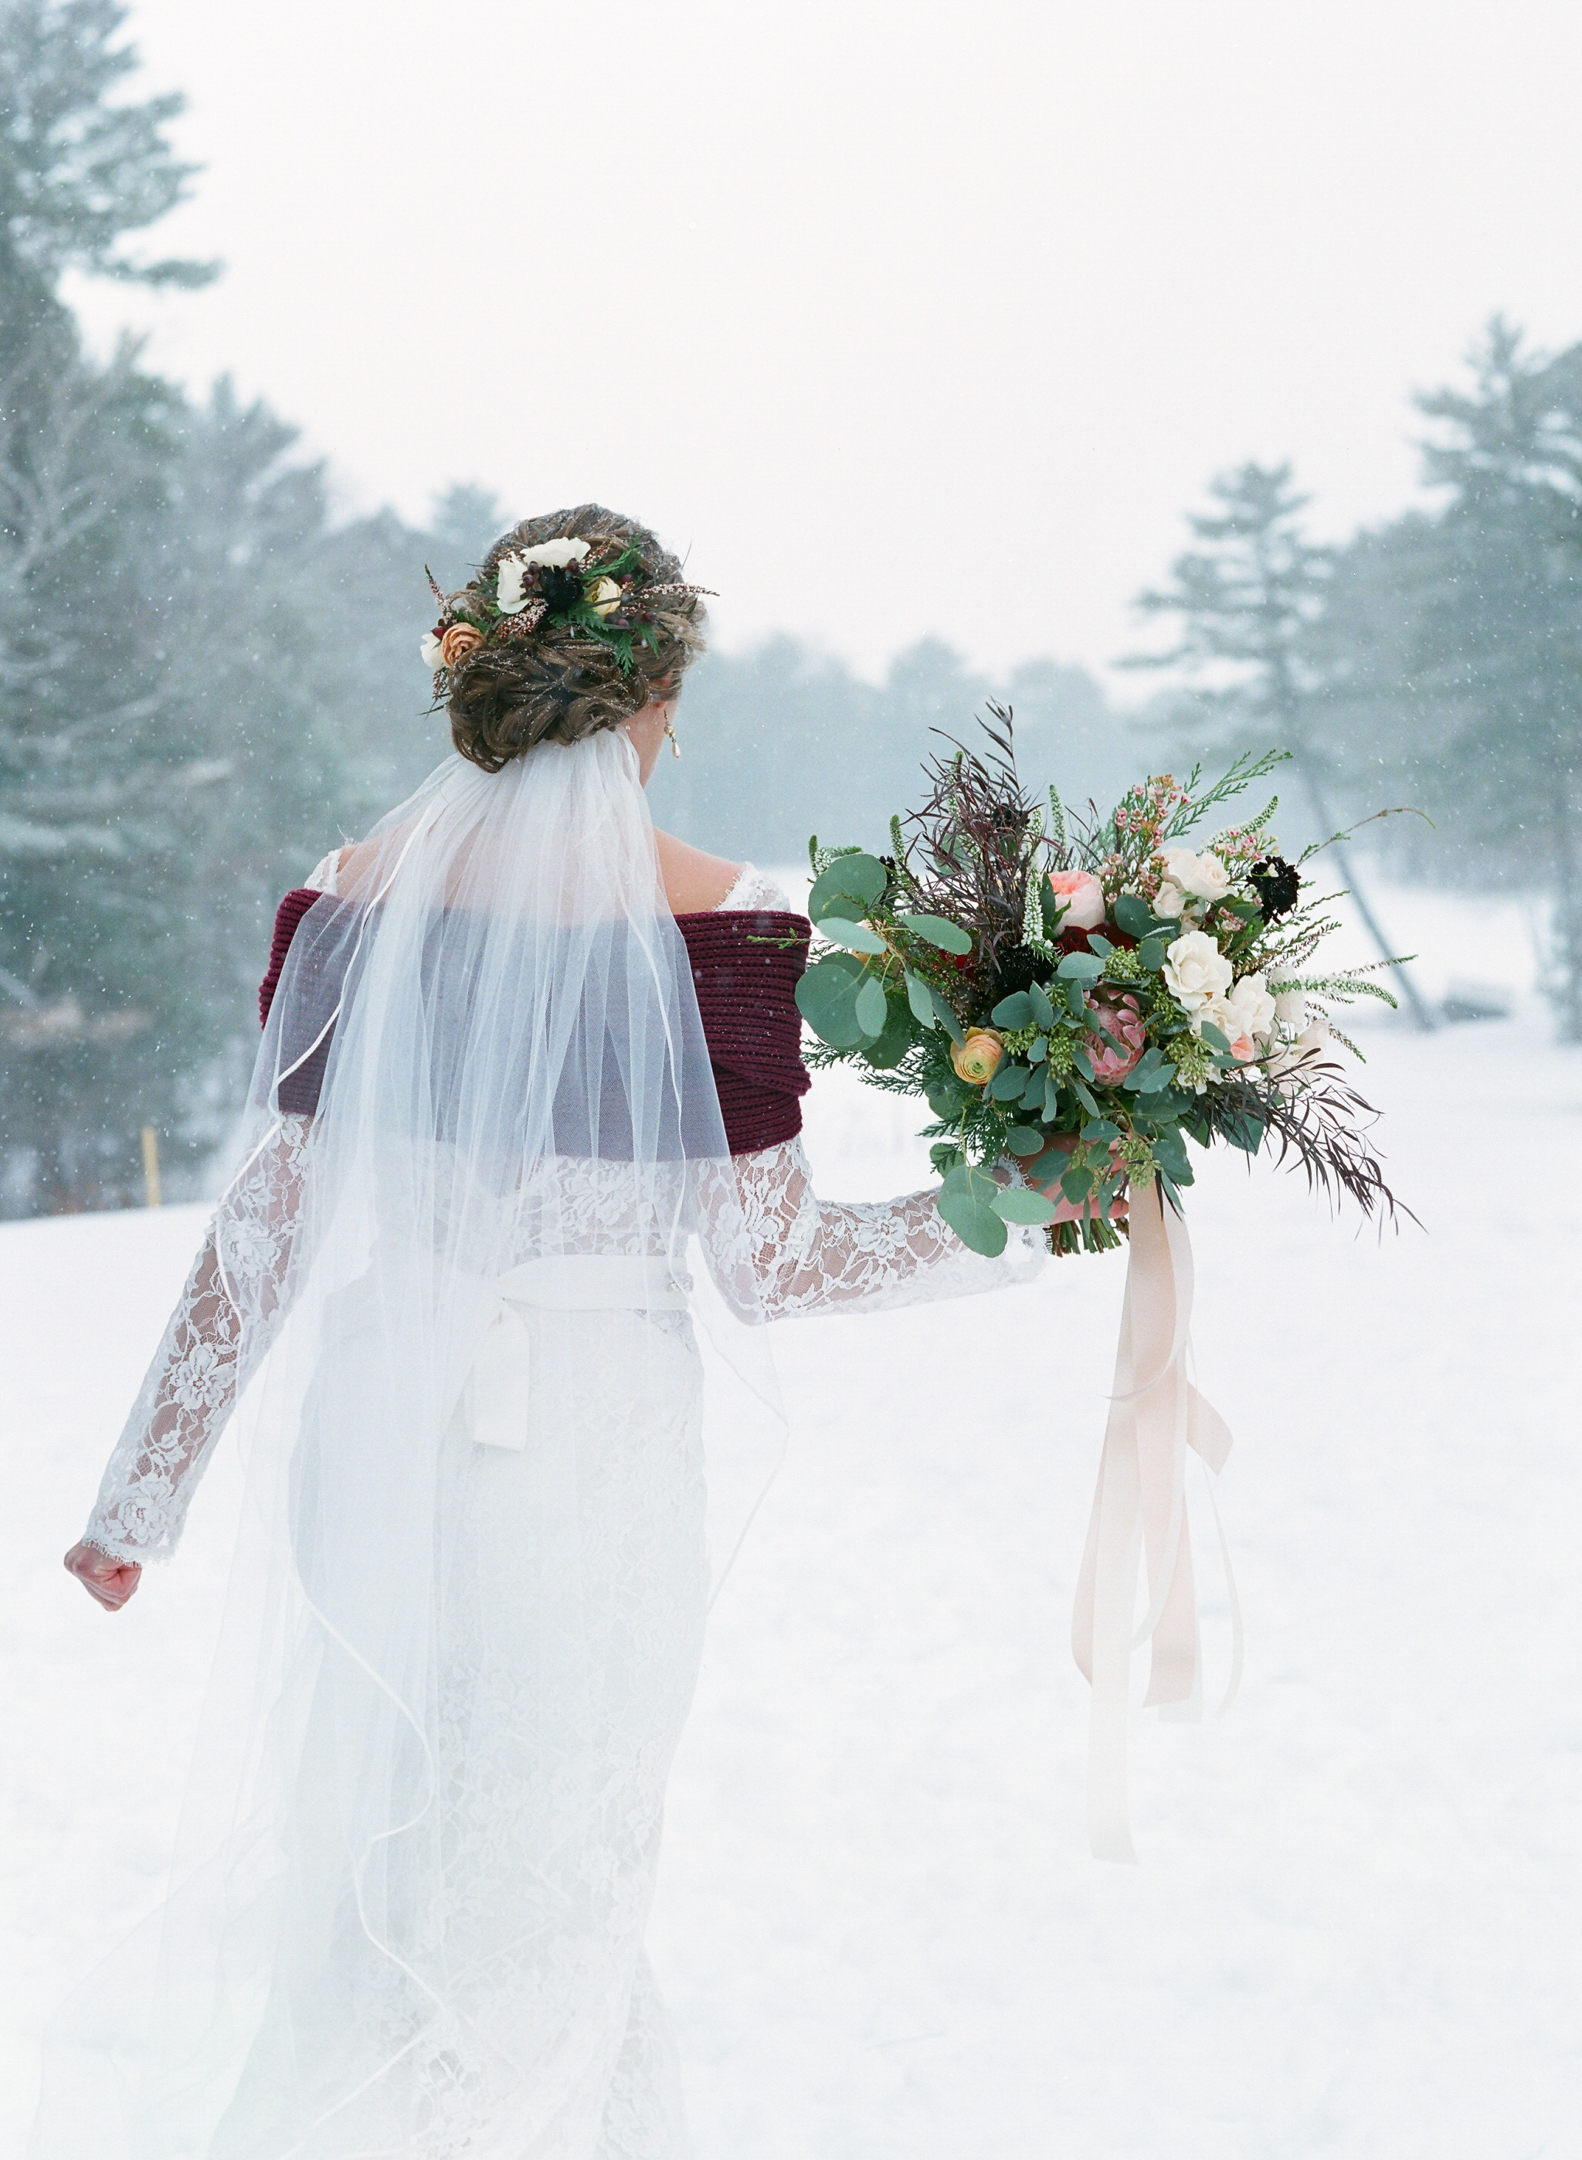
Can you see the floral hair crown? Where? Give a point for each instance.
(596, 589)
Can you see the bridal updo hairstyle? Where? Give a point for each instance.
(559, 684)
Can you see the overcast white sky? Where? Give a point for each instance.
(903, 317)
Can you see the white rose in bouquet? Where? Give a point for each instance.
(1290, 1007)
(1287, 1066)
(1251, 1007)
(1200, 877)
(1314, 1041)
(1197, 972)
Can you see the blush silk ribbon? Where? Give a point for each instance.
(1139, 1509)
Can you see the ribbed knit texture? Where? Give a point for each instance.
(289, 913)
(745, 966)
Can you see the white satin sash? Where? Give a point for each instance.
(494, 1400)
(1139, 1508)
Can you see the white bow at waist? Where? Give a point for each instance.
(494, 1311)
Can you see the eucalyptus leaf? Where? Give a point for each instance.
(1076, 1003)
(934, 930)
(894, 1039)
(1134, 915)
(1084, 1098)
(1099, 945)
(1216, 1038)
(827, 1000)
(849, 886)
(1077, 1183)
(977, 1226)
(1008, 1083)
(1151, 954)
(1025, 1140)
(855, 936)
(1017, 1205)
(1015, 1011)
(1051, 1098)
(947, 1018)
(1037, 1050)
(1151, 1070)
(1043, 1011)
(1100, 1129)
(1171, 1155)
(871, 1007)
(1081, 1063)
(1155, 1106)
(920, 998)
(1033, 1093)
(1080, 967)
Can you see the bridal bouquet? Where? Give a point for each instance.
(1085, 996)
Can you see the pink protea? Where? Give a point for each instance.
(1122, 1017)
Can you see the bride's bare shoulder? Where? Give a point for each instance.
(694, 882)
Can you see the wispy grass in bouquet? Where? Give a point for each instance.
(1076, 999)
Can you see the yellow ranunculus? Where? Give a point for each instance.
(604, 596)
(978, 1058)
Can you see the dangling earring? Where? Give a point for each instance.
(675, 747)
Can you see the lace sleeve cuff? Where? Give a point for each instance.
(812, 1256)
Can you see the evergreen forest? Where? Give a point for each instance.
(207, 678)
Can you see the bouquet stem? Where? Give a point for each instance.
(1096, 1234)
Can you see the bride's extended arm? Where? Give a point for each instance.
(809, 1255)
(191, 1387)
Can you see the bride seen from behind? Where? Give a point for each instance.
(525, 1063)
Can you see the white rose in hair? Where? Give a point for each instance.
(1252, 1008)
(555, 554)
(508, 595)
(511, 570)
(1196, 971)
(433, 654)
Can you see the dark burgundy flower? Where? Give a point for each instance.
(1277, 884)
(560, 590)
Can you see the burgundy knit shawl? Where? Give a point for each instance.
(745, 965)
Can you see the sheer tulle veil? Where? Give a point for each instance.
(451, 1282)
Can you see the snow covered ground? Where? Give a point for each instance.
(1357, 1928)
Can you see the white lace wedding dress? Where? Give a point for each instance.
(570, 1628)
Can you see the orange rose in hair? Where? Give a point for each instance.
(978, 1058)
(459, 640)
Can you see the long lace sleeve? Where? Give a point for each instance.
(810, 1255)
(191, 1387)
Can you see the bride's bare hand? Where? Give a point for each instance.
(109, 1582)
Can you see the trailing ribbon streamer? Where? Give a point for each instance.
(1140, 1507)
